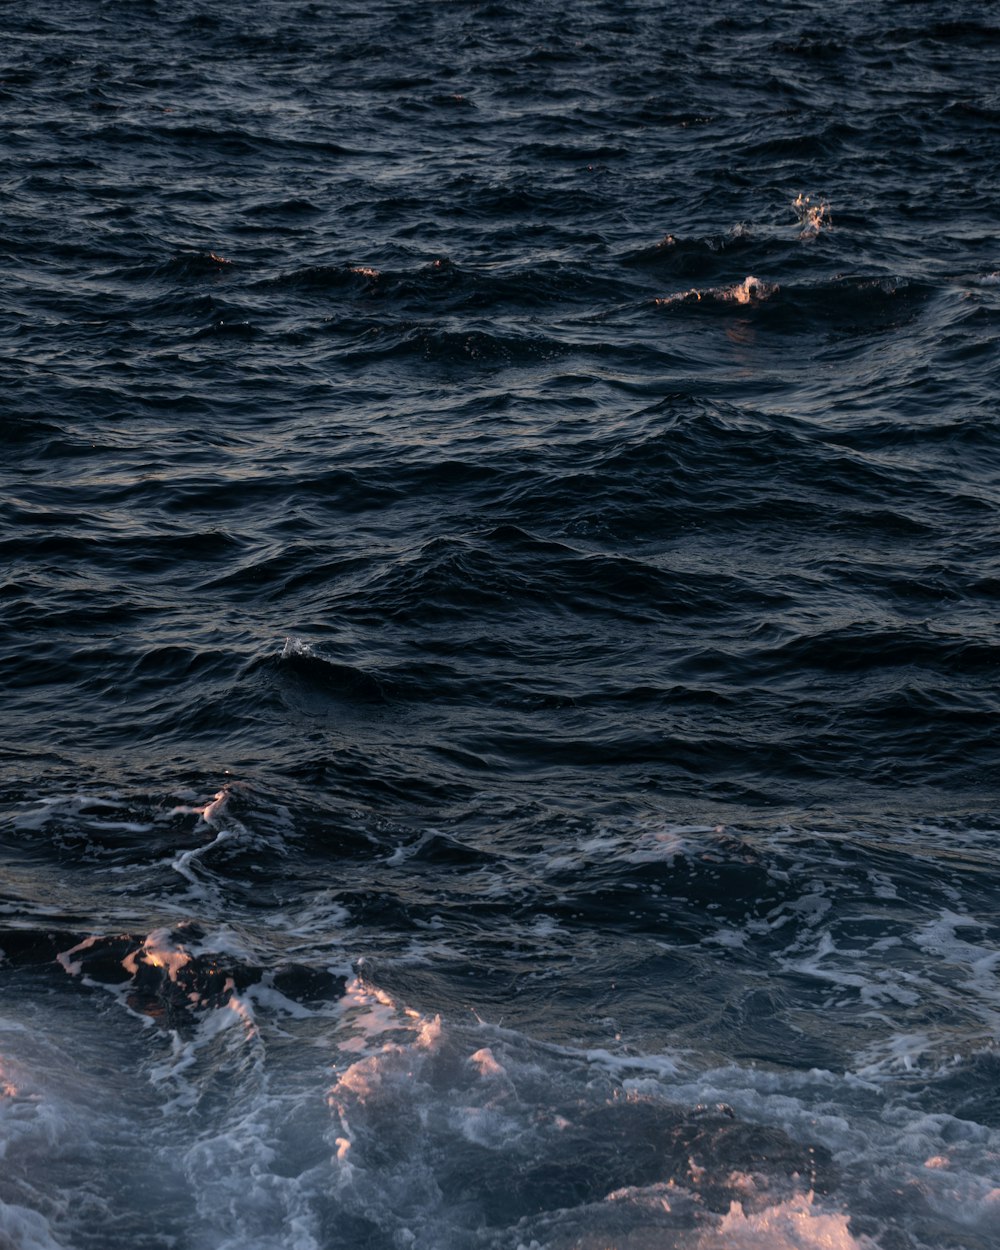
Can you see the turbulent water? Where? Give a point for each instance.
(500, 585)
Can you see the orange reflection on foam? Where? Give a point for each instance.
(814, 216)
(158, 952)
(361, 1079)
(239, 1007)
(429, 1033)
(75, 966)
(372, 1012)
(214, 808)
(749, 290)
(486, 1063)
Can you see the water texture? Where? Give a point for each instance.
(499, 530)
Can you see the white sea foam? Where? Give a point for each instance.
(375, 1102)
(368, 1106)
(80, 813)
(404, 852)
(24, 1229)
(319, 915)
(296, 646)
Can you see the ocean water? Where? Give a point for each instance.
(501, 588)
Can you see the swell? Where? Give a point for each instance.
(595, 392)
(691, 569)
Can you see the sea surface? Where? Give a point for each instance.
(500, 587)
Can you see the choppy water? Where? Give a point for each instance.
(500, 584)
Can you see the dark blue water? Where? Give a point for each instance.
(500, 586)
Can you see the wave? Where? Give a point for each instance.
(443, 285)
